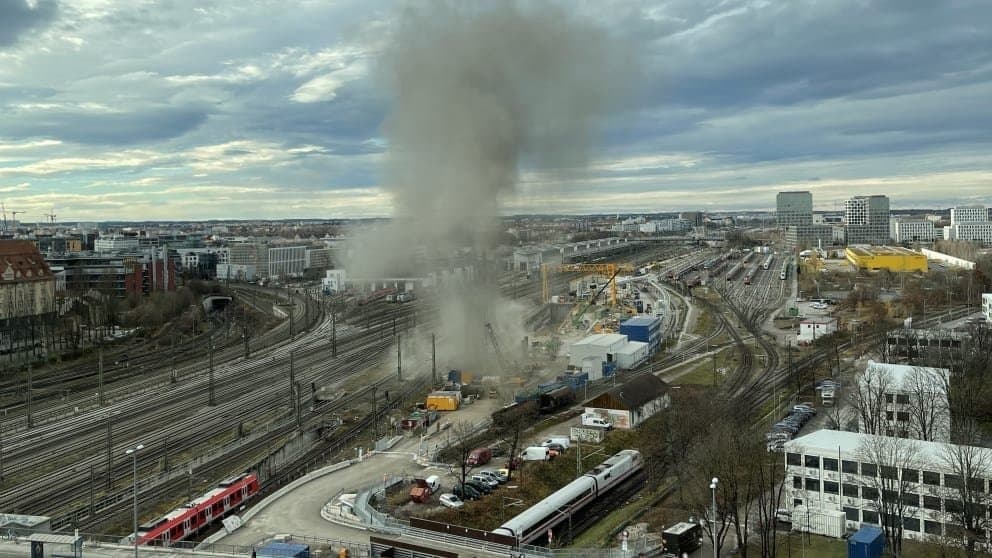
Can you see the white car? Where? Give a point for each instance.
(451, 501)
(818, 306)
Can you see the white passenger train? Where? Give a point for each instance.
(535, 522)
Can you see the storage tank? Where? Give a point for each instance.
(869, 542)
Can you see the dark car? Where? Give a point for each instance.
(479, 487)
(466, 493)
(557, 448)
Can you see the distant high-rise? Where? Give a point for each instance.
(867, 219)
(969, 214)
(969, 222)
(793, 209)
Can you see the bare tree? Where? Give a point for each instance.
(768, 476)
(511, 428)
(866, 397)
(929, 417)
(461, 441)
(967, 497)
(886, 466)
(710, 459)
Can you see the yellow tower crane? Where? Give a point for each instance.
(608, 270)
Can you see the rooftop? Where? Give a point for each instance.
(899, 373)
(869, 251)
(21, 261)
(829, 442)
(634, 393)
(601, 339)
(641, 321)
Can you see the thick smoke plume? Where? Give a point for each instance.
(480, 90)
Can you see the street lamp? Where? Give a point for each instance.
(133, 452)
(713, 484)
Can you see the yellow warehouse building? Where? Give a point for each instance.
(892, 258)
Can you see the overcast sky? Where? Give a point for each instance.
(270, 109)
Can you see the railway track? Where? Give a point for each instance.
(161, 423)
(79, 379)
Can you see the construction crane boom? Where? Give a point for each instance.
(503, 363)
(608, 270)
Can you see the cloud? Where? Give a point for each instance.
(739, 97)
(15, 188)
(19, 16)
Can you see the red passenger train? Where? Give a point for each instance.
(187, 520)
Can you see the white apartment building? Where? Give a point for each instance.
(911, 230)
(898, 389)
(115, 243)
(830, 470)
(977, 231)
(987, 306)
(969, 214)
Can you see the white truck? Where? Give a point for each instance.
(535, 453)
(594, 420)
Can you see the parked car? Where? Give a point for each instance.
(562, 441)
(449, 500)
(486, 480)
(535, 453)
(494, 475)
(783, 515)
(786, 426)
(556, 449)
(466, 492)
(479, 456)
(481, 487)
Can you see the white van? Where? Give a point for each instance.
(556, 439)
(595, 421)
(535, 453)
(434, 483)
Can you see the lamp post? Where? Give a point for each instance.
(133, 452)
(713, 484)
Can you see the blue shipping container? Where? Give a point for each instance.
(284, 550)
(869, 542)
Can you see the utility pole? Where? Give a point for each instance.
(99, 376)
(30, 395)
(375, 423)
(334, 333)
(1, 453)
(792, 372)
(92, 507)
(244, 334)
(433, 360)
(394, 327)
(172, 359)
(165, 453)
(110, 457)
(296, 403)
(292, 375)
(210, 379)
(399, 358)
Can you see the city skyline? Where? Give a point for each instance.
(134, 112)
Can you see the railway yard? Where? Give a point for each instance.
(323, 383)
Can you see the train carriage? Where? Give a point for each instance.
(185, 521)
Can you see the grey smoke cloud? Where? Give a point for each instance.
(481, 90)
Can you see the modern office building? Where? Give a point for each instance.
(793, 209)
(867, 220)
(911, 230)
(969, 214)
(115, 243)
(287, 261)
(809, 236)
(830, 470)
(975, 232)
